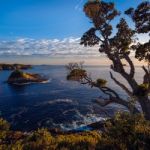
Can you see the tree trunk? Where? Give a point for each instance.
(145, 105)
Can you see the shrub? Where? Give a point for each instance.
(4, 125)
(79, 141)
(38, 140)
(101, 82)
(123, 132)
(77, 74)
(126, 132)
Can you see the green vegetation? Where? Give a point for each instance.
(20, 74)
(123, 132)
(17, 74)
(76, 74)
(101, 82)
(126, 132)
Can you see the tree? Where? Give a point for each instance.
(118, 48)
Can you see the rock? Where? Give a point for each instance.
(14, 66)
(20, 77)
(97, 125)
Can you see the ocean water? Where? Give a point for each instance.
(57, 103)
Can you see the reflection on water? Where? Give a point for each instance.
(58, 103)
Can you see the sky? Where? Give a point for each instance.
(48, 31)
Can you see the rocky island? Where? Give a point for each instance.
(14, 66)
(20, 77)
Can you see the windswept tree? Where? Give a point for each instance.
(119, 47)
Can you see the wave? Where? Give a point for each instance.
(50, 102)
(48, 81)
(81, 122)
(43, 82)
(56, 91)
(60, 101)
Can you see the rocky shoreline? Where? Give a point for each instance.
(99, 126)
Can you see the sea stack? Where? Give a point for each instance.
(20, 77)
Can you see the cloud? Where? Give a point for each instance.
(47, 47)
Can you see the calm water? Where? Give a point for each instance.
(58, 103)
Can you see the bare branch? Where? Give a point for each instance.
(132, 68)
(131, 81)
(146, 78)
(105, 102)
(107, 90)
(121, 85)
(146, 70)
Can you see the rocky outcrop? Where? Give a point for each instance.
(14, 66)
(20, 77)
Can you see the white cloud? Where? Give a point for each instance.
(47, 47)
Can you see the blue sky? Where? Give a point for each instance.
(25, 24)
(46, 18)
(41, 18)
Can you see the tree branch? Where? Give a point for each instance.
(131, 81)
(113, 97)
(108, 90)
(103, 103)
(146, 71)
(132, 68)
(146, 78)
(120, 101)
(121, 85)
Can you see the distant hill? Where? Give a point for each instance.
(14, 66)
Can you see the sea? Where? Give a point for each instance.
(57, 103)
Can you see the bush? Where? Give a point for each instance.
(38, 140)
(77, 74)
(126, 132)
(78, 141)
(123, 132)
(4, 125)
(101, 82)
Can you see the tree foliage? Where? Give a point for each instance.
(141, 18)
